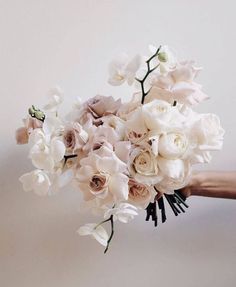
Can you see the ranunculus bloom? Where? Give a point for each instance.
(74, 136)
(178, 85)
(172, 145)
(162, 117)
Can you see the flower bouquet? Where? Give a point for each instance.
(124, 157)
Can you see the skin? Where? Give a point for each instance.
(218, 184)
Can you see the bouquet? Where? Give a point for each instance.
(124, 157)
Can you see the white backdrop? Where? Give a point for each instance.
(69, 43)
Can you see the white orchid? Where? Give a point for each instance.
(37, 181)
(165, 58)
(124, 212)
(123, 69)
(95, 230)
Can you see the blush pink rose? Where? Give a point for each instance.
(74, 137)
(140, 194)
(100, 106)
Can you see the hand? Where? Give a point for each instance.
(219, 184)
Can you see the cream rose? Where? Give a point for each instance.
(143, 166)
(172, 145)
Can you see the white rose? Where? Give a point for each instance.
(143, 166)
(172, 145)
(208, 133)
(37, 181)
(160, 116)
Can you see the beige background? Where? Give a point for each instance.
(65, 42)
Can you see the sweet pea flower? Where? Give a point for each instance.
(37, 181)
(46, 152)
(22, 134)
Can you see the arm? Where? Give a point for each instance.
(219, 184)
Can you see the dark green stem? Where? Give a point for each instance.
(66, 157)
(149, 71)
(112, 233)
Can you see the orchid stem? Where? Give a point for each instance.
(66, 157)
(149, 71)
(112, 233)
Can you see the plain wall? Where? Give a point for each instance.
(70, 43)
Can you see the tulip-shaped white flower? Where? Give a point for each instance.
(97, 231)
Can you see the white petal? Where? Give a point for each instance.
(100, 234)
(86, 229)
(27, 180)
(118, 186)
(171, 168)
(42, 161)
(57, 149)
(65, 178)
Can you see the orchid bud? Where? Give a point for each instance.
(163, 57)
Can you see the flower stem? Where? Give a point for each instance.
(112, 233)
(149, 71)
(66, 157)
